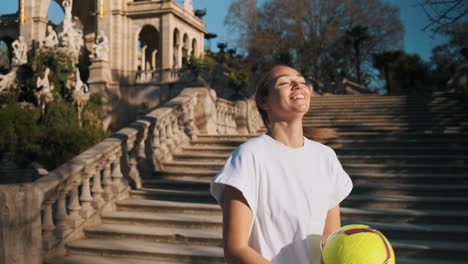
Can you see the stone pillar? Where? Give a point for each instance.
(166, 46)
(100, 81)
(34, 29)
(20, 224)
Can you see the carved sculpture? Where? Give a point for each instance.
(51, 39)
(7, 81)
(20, 49)
(44, 90)
(80, 93)
(101, 47)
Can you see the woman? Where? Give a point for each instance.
(280, 192)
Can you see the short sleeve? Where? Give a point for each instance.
(340, 181)
(238, 172)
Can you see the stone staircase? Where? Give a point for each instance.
(407, 157)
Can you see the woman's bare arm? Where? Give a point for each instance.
(237, 218)
(332, 223)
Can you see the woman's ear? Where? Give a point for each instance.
(263, 103)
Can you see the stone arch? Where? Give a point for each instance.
(177, 58)
(186, 48)
(194, 52)
(148, 48)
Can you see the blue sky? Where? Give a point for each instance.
(412, 16)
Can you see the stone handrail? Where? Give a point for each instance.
(62, 203)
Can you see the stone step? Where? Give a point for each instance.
(385, 116)
(397, 150)
(405, 168)
(349, 167)
(431, 249)
(393, 231)
(428, 261)
(372, 159)
(404, 216)
(451, 191)
(146, 250)
(420, 189)
(84, 259)
(180, 236)
(180, 174)
(405, 202)
(198, 196)
(413, 178)
(404, 159)
(411, 135)
(176, 220)
(159, 206)
(446, 178)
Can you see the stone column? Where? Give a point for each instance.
(166, 46)
(20, 224)
(34, 28)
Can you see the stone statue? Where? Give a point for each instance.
(44, 90)
(80, 93)
(51, 39)
(101, 47)
(188, 4)
(67, 18)
(7, 81)
(20, 50)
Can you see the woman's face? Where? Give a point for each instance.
(288, 96)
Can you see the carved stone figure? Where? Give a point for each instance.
(20, 50)
(188, 4)
(7, 81)
(101, 47)
(51, 39)
(44, 90)
(67, 18)
(80, 93)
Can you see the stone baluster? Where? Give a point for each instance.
(85, 197)
(117, 173)
(175, 130)
(163, 140)
(133, 162)
(171, 145)
(74, 207)
(142, 144)
(189, 118)
(107, 181)
(97, 190)
(62, 229)
(156, 146)
(48, 226)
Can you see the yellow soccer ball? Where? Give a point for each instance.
(357, 244)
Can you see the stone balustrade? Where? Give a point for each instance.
(226, 113)
(39, 218)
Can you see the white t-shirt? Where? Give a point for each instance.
(289, 191)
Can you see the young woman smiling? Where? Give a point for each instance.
(280, 192)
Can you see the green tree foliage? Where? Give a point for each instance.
(404, 73)
(55, 137)
(333, 38)
(61, 67)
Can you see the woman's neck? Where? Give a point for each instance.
(288, 133)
